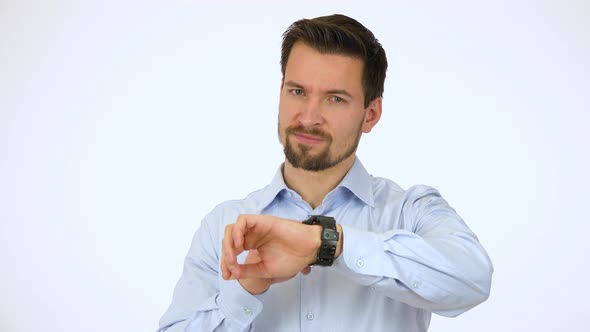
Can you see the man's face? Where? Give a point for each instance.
(321, 108)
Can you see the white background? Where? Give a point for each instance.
(123, 123)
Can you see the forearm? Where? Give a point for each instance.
(446, 275)
(231, 309)
(202, 300)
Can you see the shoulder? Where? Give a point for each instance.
(385, 190)
(227, 212)
(213, 224)
(389, 188)
(419, 196)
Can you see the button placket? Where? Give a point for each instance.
(310, 300)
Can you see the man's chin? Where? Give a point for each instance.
(302, 157)
(309, 164)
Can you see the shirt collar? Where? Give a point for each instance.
(271, 191)
(357, 180)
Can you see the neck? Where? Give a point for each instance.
(314, 186)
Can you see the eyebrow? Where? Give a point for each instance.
(331, 92)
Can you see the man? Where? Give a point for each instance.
(382, 258)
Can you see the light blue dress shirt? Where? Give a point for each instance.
(406, 254)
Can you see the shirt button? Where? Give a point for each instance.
(247, 311)
(310, 316)
(416, 284)
(360, 263)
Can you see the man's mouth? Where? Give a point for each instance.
(307, 138)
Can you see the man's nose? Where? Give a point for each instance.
(311, 113)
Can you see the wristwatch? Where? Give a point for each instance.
(329, 239)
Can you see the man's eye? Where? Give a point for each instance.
(297, 92)
(337, 99)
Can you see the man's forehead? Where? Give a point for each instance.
(309, 68)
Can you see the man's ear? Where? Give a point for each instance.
(372, 114)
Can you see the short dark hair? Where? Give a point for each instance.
(340, 34)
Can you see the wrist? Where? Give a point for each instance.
(255, 286)
(328, 237)
(340, 241)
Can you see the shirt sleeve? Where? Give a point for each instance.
(202, 300)
(436, 262)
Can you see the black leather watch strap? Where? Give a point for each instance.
(330, 238)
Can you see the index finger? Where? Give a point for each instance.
(239, 231)
(228, 251)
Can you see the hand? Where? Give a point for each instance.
(258, 285)
(282, 249)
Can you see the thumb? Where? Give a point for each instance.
(251, 270)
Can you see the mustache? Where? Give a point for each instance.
(309, 131)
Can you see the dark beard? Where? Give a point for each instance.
(310, 163)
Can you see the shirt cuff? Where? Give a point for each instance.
(237, 304)
(362, 256)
